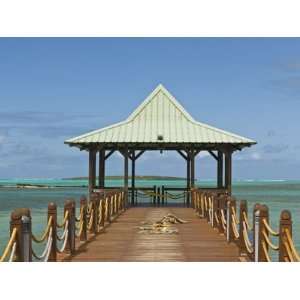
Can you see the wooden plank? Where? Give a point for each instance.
(121, 241)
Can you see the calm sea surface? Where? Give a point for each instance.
(278, 195)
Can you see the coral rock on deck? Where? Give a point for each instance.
(121, 241)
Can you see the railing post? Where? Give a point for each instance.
(154, 196)
(102, 205)
(16, 222)
(215, 211)
(21, 219)
(26, 236)
(229, 232)
(255, 208)
(83, 209)
(257, 236)
(260, 214)
(52, 212)
(95, 213)
(243, 210)
(70, 207)
(107, 201)
(117, 202)
(222, 206)
(285, 224)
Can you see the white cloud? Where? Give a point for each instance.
(256, 156)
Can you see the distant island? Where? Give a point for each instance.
(27, 185)
(139, 177)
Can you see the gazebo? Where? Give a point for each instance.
(160, 123)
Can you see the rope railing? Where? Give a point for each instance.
(10, 247)
(59, 240)
(256, 240)
(45, 234)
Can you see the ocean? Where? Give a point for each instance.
(277, 195)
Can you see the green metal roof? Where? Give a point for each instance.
(160, 118)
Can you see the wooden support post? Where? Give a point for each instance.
(95, 206)
(52, 212)
(163, 195)
(285, 224)
(83, 209)
(243, 210)
(214, 222)
(228, 171)
(132, 177)
(231, 203)
(158, 196)
(192, 184)
(255, 209)
(220, 170)
(102, 207)
(188, 179)
(125, 153)
(21, 220)
(101, 177)
(70, 207)
(154, 196)
(16, 222)
(92, 170)
(260, 214)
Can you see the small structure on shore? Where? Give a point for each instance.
(160, 123)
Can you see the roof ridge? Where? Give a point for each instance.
(151, 96)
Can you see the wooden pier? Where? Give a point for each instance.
(121, 241)
(108, 229)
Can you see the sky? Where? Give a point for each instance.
(52, 89)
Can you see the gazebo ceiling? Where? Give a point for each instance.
(160, 121)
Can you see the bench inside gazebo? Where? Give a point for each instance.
(160, 123)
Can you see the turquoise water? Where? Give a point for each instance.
(278, 195)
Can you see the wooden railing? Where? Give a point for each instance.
(62, 239)
(255, 239)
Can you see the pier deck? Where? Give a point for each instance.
(121, 240)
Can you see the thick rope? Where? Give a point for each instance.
(223, 221)
(80, 230)
(264, 247)
(9, 244)
(80, 215)
(289, 252)
(60, 238)
(291, 244)
(274, 247)
(247, 221)
(91, 220)
(45, 234)
(234, 215)
(46, 249)
(268, 227)
(62, 249)
(216, 218)
(223, 217)
(248, 244)
(13, 252)
(234, 228)
(64, 220)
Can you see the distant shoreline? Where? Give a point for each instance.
(139, 177)
(22, 185)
